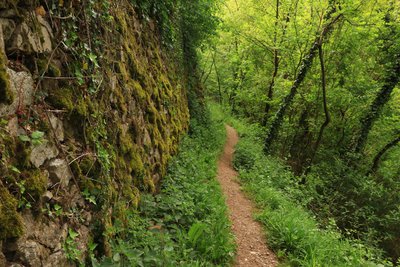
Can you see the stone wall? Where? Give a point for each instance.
(91, 110)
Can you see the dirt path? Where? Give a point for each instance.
(252, 250)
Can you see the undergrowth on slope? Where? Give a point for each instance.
(292, 231)
(186, 224)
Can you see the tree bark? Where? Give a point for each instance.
(378, 157)
(305, 67)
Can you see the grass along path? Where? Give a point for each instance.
(251, 244)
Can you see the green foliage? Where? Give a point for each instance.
(186, 223)
(72, 252)
(361, 66)
(35, 138)
(293, 232)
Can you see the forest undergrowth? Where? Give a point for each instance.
(186, 224)
(294, 232)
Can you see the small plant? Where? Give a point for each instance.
(70, 247)
(36, 138)
(91, 247)
(89, 197)
(23, 201)
(56, 211)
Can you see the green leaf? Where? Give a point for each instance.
(72, 233)
(24, 138)
(196, 231)
(37, 135)
(3, 122)
(116, 257)
(14, 169)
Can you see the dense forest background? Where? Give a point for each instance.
(321, 79)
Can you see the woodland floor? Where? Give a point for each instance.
(252, 250)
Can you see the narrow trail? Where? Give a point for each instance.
(252, 250)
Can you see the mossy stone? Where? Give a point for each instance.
(51, 70)
(10, 221)
(6, 95)
(62, 98)
(36, 183)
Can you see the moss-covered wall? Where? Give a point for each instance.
(96, 128)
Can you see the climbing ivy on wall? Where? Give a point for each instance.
(114, 77)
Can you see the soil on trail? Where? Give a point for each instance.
(252, 250)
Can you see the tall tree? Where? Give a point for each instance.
(326, 110)
(276, 67)
(391, 51)
(305, 67)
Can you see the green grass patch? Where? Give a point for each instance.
(186, 224)
(292, 231)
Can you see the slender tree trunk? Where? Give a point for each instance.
(276, 67)
(392, 78)
(381, 99)
(300, 149)
(378, 156)
(208, 73)
(326, 111)
(218, 79)
(235, 74)
(305, 67)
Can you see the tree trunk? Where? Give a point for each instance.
(218, 79)
(326, 111)
(208, 73)
(276, 67)
(305, 67)
(378, 157)
(300, 148)
(391, 79)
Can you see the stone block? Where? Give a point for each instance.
(43, 152)
(22, 87)
(59, 172)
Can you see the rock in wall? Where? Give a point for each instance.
(91, 110)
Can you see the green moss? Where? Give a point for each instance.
(76, 105)
(131, 155)
(62, 98)
(83, 181)
(121, 103)
(81, 108)
(6, 95)
(90, 166)
(36, 183)
(52, 70)
(132, 195)
(10, 220)
(138, 91)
